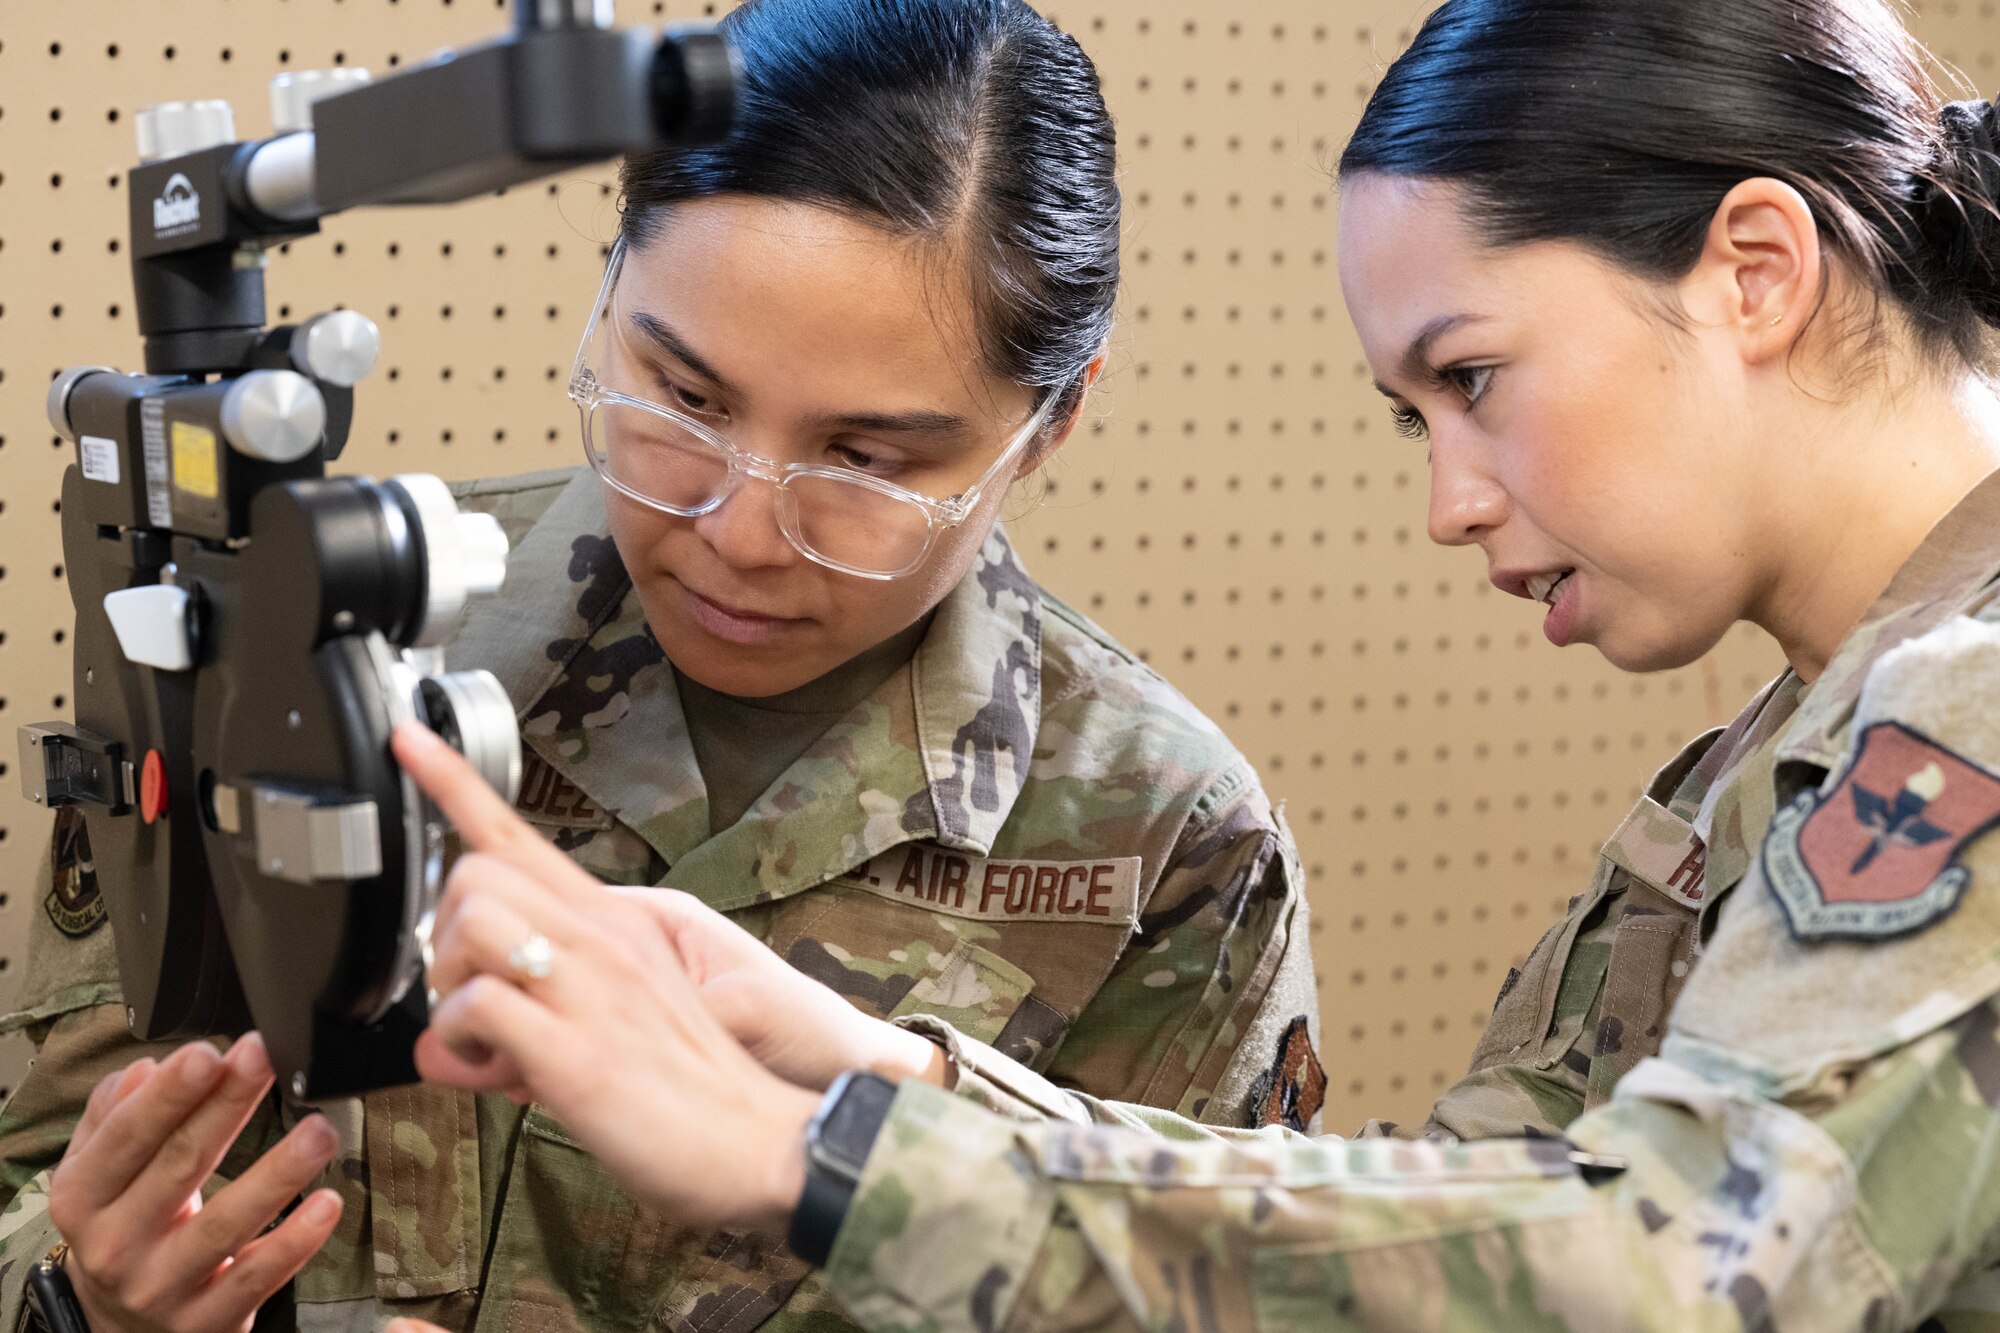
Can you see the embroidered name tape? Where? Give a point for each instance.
(1661, 849)
(1105, 892)
(551, 800)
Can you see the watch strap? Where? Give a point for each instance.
(837, 1142)
(51, 1298)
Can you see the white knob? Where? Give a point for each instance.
(293, 95)
(275, 415)
(175, 129)
(466, 555)
(338, 347)
(151, 623)
(483, 543)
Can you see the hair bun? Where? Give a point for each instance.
(1967, 206)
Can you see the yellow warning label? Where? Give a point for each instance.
(194, 460)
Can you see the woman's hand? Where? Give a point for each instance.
(799, 1029)
(146, 1251)
(613, 1036)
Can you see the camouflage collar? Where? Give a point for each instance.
(1735, 784)
(1943, 578)
(940, 752)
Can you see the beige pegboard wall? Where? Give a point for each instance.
(1238, 509)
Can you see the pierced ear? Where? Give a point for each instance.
(1760, 273)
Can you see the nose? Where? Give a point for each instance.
(744, 529)
(1466, 501)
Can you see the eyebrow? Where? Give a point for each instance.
(663, 336)
(918, 421)
(1416, 363)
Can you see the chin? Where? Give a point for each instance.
(1662, 648)
(743, 673)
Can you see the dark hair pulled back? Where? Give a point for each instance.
(1622, 124)
(976, 124)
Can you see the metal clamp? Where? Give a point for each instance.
(302, 841)
(61, 765)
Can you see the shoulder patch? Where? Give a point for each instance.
(1292, 1090)
(74, 903)
(1876, 856)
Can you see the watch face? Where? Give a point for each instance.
(854, 1120)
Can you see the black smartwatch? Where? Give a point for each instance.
(51, 1299)
(839, 1138)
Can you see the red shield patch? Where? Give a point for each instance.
(1293, 1089)
(1876, 856)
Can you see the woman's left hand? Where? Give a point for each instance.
(606, 1030)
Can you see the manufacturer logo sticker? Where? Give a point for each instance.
(178, 209)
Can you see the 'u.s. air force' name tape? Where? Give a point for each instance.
(1104, 892)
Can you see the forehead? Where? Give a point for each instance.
(1409, 255)
(1406, 257)
(788, 298)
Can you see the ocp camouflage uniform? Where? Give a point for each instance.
(1770, 1033)
(1025, 832)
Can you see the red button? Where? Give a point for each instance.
(152, 787)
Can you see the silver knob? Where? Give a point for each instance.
(60, 389)
(174, 129)
(338, 347)
(551, 14)
(471, 710)
(275, 415)
(293, 95)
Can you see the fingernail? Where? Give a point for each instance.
(198, 1066)
(318, 1136)
(248, 1051)
(321, 1208)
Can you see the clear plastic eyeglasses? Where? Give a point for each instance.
(838, 517)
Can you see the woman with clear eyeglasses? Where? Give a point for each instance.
(771, 649)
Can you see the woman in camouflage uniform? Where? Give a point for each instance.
(772, 650)
(1695, 304)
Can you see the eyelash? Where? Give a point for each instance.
(680, 395)
(874, 465)
(1411, 425)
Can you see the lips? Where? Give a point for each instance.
(736, 624)
(738, 612)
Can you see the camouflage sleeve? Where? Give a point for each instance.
(71, 1007)
(1702, 1204)
(1813, 1149)
(1005, 1086)
(1210, 1009)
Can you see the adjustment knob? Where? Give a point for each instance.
(483, 543)
(471, 710)
(175, 129)
(293, 95)
(275, 415)
(465, 555)
(547, 14)
(695, 75)
(60, 389)
(338, 347)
